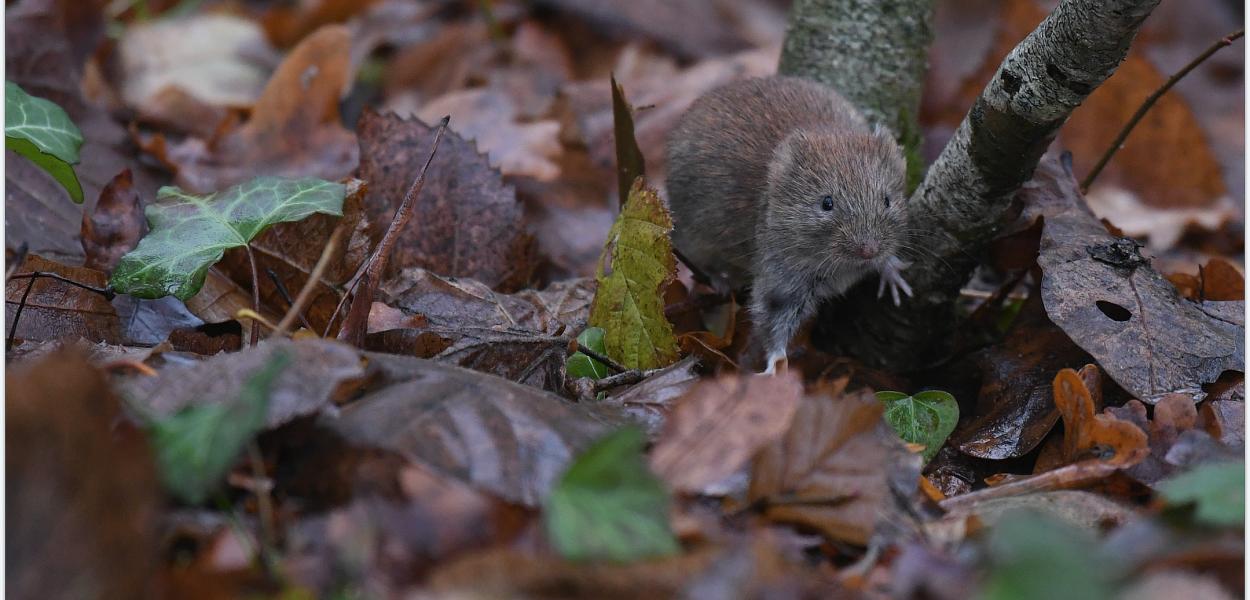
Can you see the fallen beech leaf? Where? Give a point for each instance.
(55, 309)
(320, 373)
(114, 227)
(190, 233)
(1218, 280)
(609, 506)
(508, 439)
(691, 30)
(1083, 430)
(1173, 440)
(217, 59)
(1108, 299)
(286, 25)
(294, 130)
(81, 483)
(220, 299)
(521, 337)
(649, 401)
(629, 304)
(40, 131)
(470, 223)
(719, 424)
(828, 471)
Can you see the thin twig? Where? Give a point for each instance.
(305, 293)
(8, 343)
(1150, 101)
(286, 296)
(264, 505)
(611, 364)
(107, 292)
(629, 377)
(372, 267)
(251, 259)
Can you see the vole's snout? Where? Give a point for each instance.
(868, 249)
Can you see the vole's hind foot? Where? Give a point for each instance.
(892, 275)
(776, 362)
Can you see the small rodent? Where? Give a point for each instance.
(778, 184)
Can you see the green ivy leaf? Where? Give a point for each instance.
(196, 447)
(1217, 491)
(191, 233)
(926, 418)
(1035, 557)
(581, 365)
(629, 304)
(43, 133)
(609, 506)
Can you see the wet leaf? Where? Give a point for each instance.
(40, 130)
(55, 309)
(1109, 300)
(1217, 492)
(81, 490)
(190, 233)
(629, 304)
(926, 418)
(197, 446)
(609, 506)
(828, 471)
(580, 365)
(470, 223)
(509, 439)
(719, 424)
(115, 226)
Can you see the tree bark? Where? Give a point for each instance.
(874, 52)
(966, 195)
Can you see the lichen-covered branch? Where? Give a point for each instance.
(967, 192)
(874, 52)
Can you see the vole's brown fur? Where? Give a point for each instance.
(749, 168)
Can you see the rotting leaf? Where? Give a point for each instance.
(81, 489)
(629, 304)
(609, 506)
(581, 365)
(321, 372)
(828, 472)
(56, 309)
(114, 227)
(190, 233)
(509, 439)
(294, 130)
(40, 130)
(196, 447)
(651, 400)
(1217, 491)
(470, 223)
(719, 424)
(1133, 321)
(522, 337)
(630, 165)
(926, 418)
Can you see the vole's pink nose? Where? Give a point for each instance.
(868, 249)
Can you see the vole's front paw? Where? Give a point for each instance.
(892, 275)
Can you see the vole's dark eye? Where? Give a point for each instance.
(827, 203)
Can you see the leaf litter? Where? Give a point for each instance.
(461, 442)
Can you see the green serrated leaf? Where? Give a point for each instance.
(196, 447)
(191, 233)
(926, 418)
(1035, 557)
(629, 304)
(581, 365)
(609, 506)
(43, 133)
(1217, 491)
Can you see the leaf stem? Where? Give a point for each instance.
(1150, 102)
(305, 293)
(251, 259)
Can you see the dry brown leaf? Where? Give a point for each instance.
(470, 222)
(114, 227)
(287, 25)
(1217, 280)
(829, 470)
(719, 424)
(294, 129)
(55, 309)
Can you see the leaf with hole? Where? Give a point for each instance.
(926, 418)
(581, 365)
(43, 133)
(196, 447)
(609, 506)
(191, 233)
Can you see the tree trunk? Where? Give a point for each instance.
(874, 52)
(966, 194)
